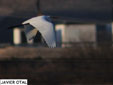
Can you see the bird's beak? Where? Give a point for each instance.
(54, 17)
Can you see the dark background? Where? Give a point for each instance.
(14, 12)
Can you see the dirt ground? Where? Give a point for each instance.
(59, 66)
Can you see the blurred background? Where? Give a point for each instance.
(81, 21)
(84, 38)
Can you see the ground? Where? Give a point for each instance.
(60, 66)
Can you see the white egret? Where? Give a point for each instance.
(43, 24)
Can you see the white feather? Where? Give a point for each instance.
(46, 28)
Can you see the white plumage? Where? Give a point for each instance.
(42, 24)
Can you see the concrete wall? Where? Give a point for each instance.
(76, 33)
(89, 33)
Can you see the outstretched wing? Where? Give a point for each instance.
(45, 28)
(30, 32)
(48, 33)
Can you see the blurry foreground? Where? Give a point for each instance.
(59, 66)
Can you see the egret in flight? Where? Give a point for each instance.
(42, 24)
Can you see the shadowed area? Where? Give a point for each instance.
(80, 10)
